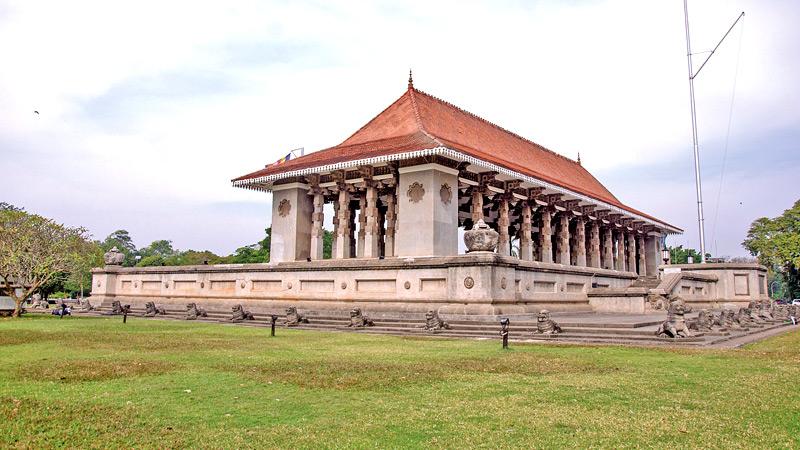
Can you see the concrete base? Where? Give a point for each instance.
(477, 284)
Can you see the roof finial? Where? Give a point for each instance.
(410, 80)
(579, 158)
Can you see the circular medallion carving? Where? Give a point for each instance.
(503, 283)
(166, 284)
(469, 282)
(284, 207)
(415, 192)
(407, 285)
(446, 193)
(98, 284)
(243, 284)
(344, 285)
(528, 287)
(289, 285)
(135, 284)
(202, 284)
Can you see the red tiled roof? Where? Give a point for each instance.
(418, 121)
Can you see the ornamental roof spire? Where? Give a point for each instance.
(579, 158)
(410, 80)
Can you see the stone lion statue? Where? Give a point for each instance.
(113, 257)
(704, 321)
(84, 305)
(656, 301)
(754, 311)
(151, 310)
(434, 323)
(358, 320)
(764, 310)
(675, 326)
(240, 314)
(293, 318)
(116, 309)
(193, 312)
(38, 302)
(546, 325)
(744, 318)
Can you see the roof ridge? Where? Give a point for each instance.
(495, 126)
(411, 90)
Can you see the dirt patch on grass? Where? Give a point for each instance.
(377, 374)
(78, 370)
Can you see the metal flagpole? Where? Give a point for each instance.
(692, 75)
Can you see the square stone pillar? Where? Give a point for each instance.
(642, 260)
(291, 223)
(631, 252)
(594, 244)
(503, 242)
(427, 210)
(477, 204)
(362, 223)
(619, 253)
(580, 242)
(545, 237)
(317, 232)
(526, 234)
(608, 249)
(335, 228)
(652, 252)
(343, 236)
(391, 217)
(372, 229)
(562, 248)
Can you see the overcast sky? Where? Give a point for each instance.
(148, 109)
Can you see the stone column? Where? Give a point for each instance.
(562, 249)
(343, 231)
(317, 232)
(335, 228)
(503, 243)
(619, 254)
(353, 237)
(608, 249)
(362, 223)
(477, 205)
(526, 234)
(371, 248)
(642, 258)
(631, 252)
(652, 253)
(580, 242)
(291, 223)
(594, 244)
(545, 237)
(391, 217)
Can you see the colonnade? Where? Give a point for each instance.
(531, 227)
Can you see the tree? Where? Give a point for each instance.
(255, 253)
(680, 255)
(327, 244)
(33, 251)
(776, 244)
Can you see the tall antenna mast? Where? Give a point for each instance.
(692, 75)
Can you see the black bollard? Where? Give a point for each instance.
(63, 310)
(504, 322)
(125, 310)
(274, 319)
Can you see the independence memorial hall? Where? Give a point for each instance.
(539, 232)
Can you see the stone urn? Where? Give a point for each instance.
(114, 257)
(481, 238)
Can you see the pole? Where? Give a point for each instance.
(700, 219)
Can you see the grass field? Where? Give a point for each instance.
(91, 382)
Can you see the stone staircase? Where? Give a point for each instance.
(578, 328)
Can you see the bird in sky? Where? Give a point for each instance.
(36, 112)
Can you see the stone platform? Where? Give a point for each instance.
(578, 328)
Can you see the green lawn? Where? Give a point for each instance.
(91, 382)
